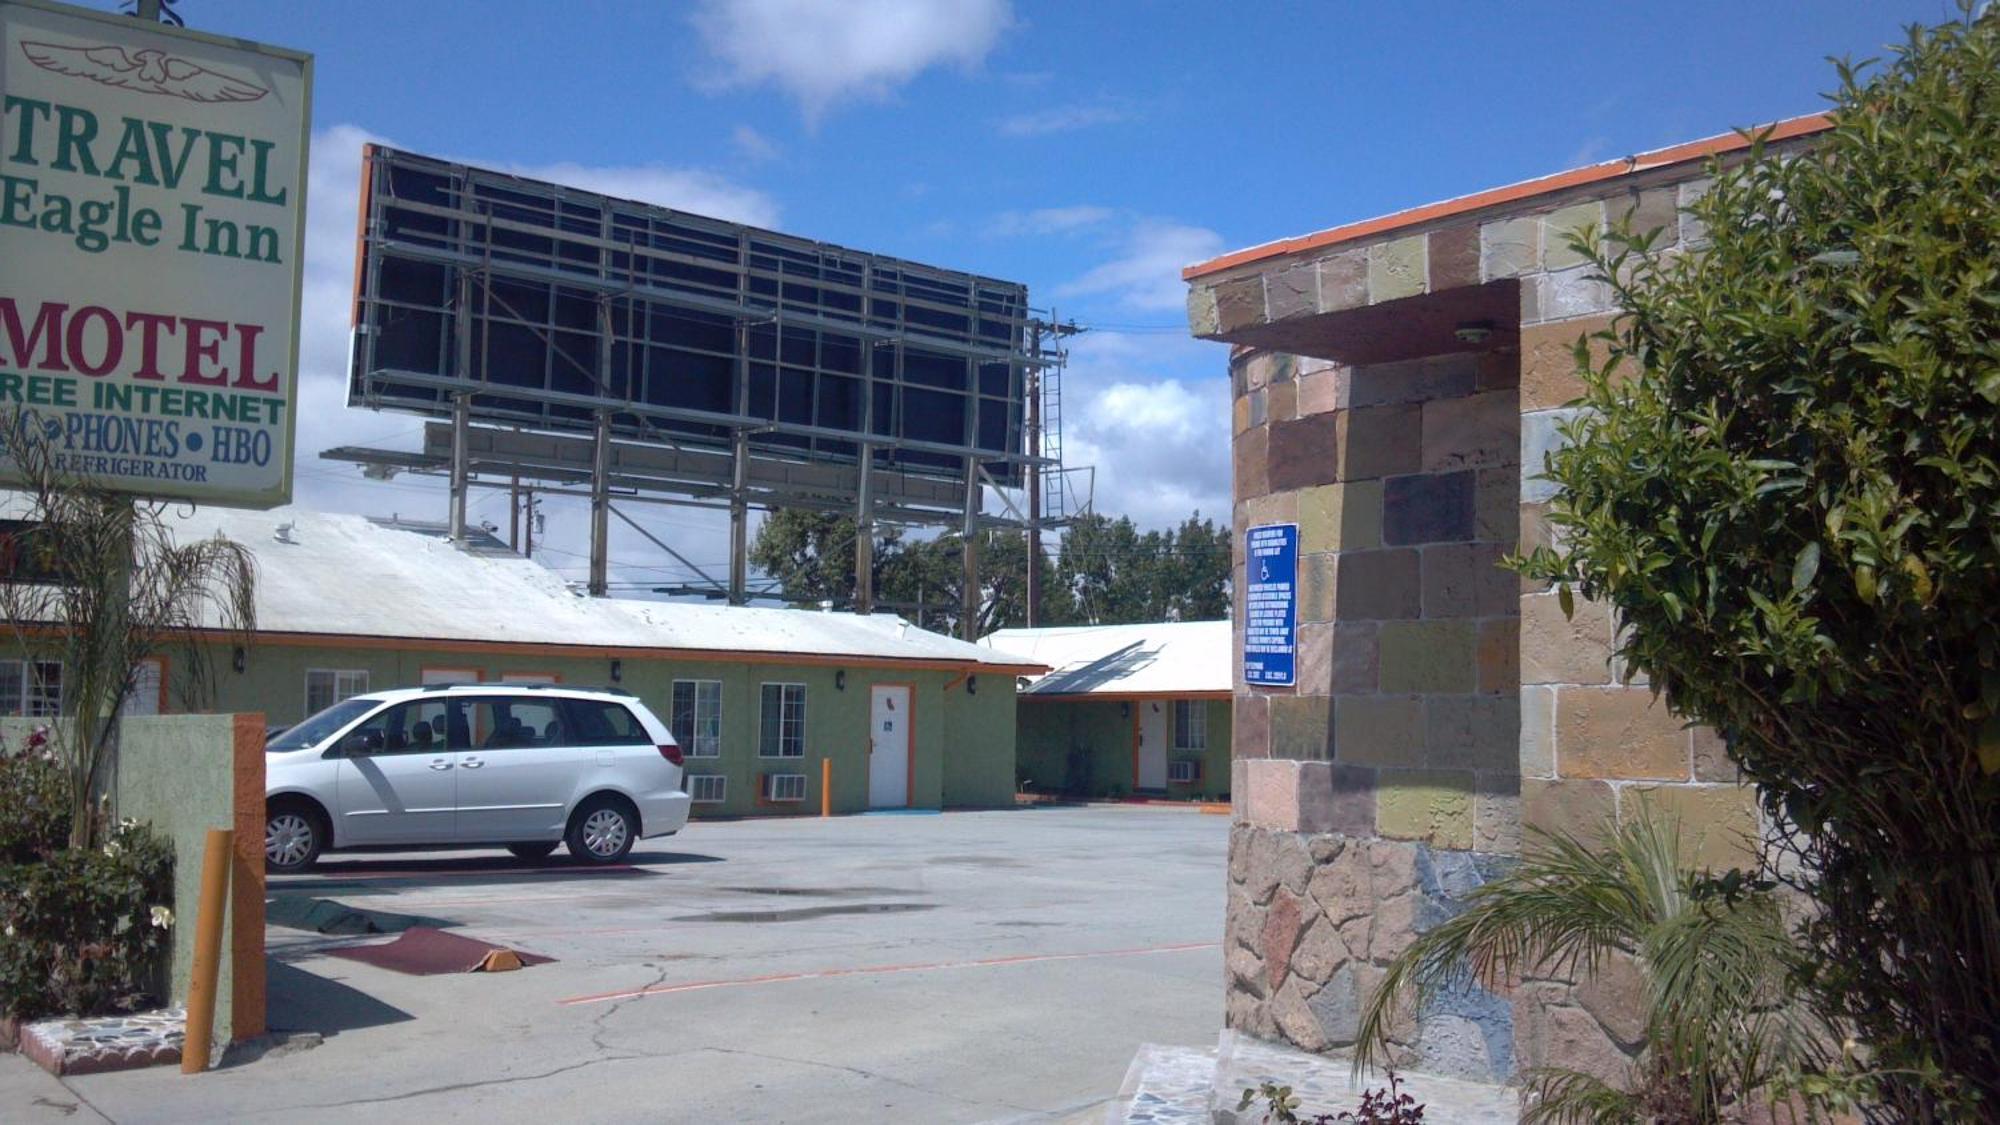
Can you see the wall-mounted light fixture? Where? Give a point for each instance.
(1474, 331)
(617, 671)
(840, 679)
(238, 658)
(972, 685)
(1125, 710)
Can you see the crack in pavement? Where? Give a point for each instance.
(597, 1029)
(457, 1086)
(869, 1074)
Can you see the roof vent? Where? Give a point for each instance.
(284, 534)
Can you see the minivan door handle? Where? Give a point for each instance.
(440, 764)
(471, 763)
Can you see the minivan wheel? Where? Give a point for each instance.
(531, 852)
(602, 831)
(293, 837)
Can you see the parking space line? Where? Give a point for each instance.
(873, 970)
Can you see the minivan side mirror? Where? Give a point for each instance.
(360, 742)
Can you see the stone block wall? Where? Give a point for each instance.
(1385, 783)
(1441, 704)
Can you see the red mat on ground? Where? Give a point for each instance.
(423, 951)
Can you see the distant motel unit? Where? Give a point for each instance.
(757, 698)
(1125, 710)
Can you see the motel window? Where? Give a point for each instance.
(1190, 724)
(31, 687)
(697, 717)
(328, 686)
(781, 726)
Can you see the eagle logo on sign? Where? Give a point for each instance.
(146, 70)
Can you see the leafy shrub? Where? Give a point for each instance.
(34, 801)
(1787, 484)
(83, 930)
(1389, 1105)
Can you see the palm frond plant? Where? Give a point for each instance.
(98, 583)
(1722, 1026)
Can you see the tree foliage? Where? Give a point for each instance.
(114, 589)
(1107, 571)
(1786, 480)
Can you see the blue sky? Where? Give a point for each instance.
(1086, 149)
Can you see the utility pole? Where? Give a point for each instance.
(1058, 329)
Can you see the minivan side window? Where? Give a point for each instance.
(599, 722)
(506, 723)
(416, 727)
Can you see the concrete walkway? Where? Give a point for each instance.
(969, 967)
(1195, 1086)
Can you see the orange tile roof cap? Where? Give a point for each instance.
(1512, 193)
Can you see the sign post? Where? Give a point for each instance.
(152, 222)
(1271, 604)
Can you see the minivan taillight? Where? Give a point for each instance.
(670, 752)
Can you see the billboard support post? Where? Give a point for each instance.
(864, 535)
(600, 507)
(461, 416)
(968, 598)
(739, 519)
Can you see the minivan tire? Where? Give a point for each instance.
(603, 830)
(294, 835)
(531, 852)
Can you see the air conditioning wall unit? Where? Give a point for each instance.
(708, 788)
(1185, 772)
(784, 787)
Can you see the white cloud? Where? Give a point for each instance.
(755, 146)
(1048, 220)
(1160, 445)
(684, 189)
(1062, 119)
(822, 53)
(1146, 274)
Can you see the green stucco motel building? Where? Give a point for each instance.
(758, 699)
(1125, 710)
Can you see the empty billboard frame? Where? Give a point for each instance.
(546, 307)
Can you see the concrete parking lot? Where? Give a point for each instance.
(963, 967)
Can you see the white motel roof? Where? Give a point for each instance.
(1177, 658)
(337, 575)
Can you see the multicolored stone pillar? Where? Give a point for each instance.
(1396, 385)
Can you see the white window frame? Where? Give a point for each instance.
(346, 683)
(708, 788)
(696, 745)
(774, 782)
(1191, 718)
(28, 683)
(795, 726)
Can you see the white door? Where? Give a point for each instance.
(1152, 745)
(397, 782)
(515, 780)
(888, 746)
(144, 698)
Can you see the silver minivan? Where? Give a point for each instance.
(522, 766)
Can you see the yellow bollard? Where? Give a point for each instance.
(207, 950)
(826, 787)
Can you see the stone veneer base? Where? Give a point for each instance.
(1314, 918)
(101, 1043)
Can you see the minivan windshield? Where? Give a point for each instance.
(316, 729)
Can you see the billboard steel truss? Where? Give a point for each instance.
(557, 332)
